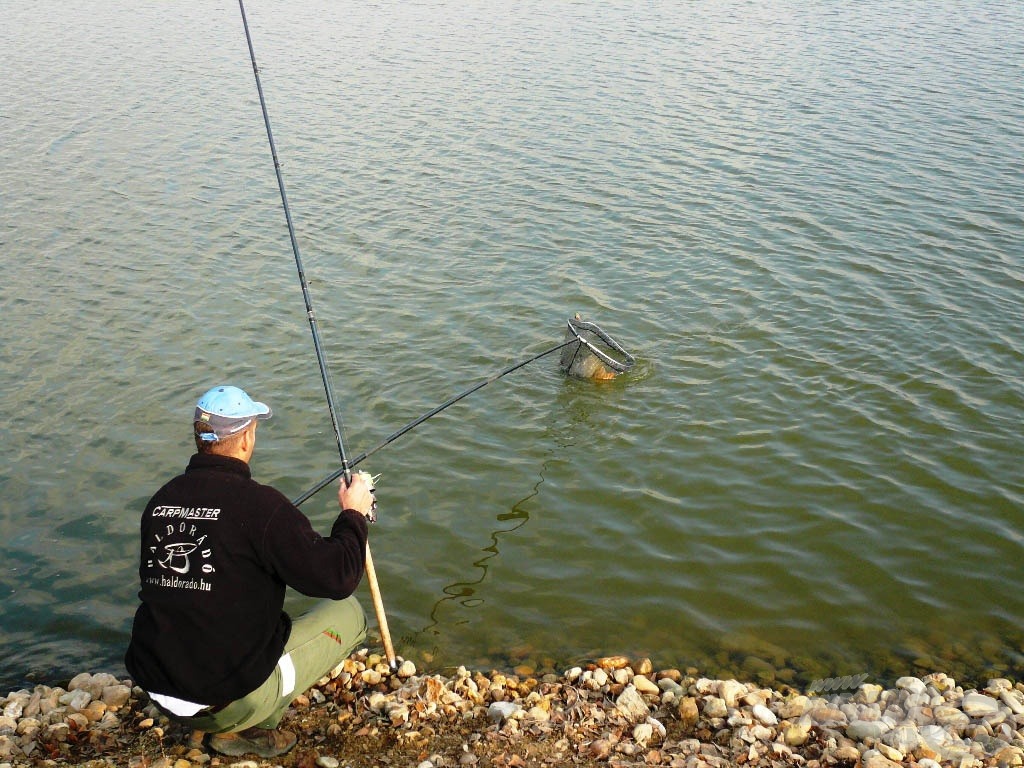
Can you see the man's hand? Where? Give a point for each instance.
(358, 496)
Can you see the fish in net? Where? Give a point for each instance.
(590, 353)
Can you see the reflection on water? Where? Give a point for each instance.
(463, 591)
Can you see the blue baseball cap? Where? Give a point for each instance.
(227, 410)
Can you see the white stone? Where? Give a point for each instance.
(407, 669)
(794, 707)
(658, 727)
(80, 682)
(78, 699)
(327, 762)
(859, 730)
(997, 685)
(730, 691)
(868, 693)
(912, 684)
(764, 715)
(398, 713)
(979, 705)
(1014, 699)
(631, 704)
(377, 701)
(746, 734)
(781, 750)
(852, 712)
(994, 718)
(950, 716)
(642, 733)
(715, 707)
(500, 711)
(905, 738)
(917, 700)
(704, 686)
(757, 697)
(668, 685)
(116, 695)
(935, 736)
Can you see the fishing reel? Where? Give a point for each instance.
(371, 484)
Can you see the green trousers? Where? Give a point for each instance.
(321, 639)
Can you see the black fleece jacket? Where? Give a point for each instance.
(218, 549)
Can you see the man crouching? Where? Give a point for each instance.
(211, 643)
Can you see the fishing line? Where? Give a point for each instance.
(371, 575)
(587, 360)
(433, 412)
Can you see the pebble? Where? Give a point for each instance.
(912, 684)
(794, 707)
(645, 686)
(1014, 700)
(979, 705)
(631, 704)
(715, 707)
(688, 712)
(797, 735)
(859, 730)
(764, 715)
(730, 691)
(615, 710)
(642, 733)
(875, 759)
(500, 711)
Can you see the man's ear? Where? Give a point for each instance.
(249, 438)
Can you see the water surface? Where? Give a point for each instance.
(804, 221)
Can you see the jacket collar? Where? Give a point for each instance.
(215, 463)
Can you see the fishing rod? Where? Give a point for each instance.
(417, 421)
(346, 467)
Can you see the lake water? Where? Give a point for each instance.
(803, 219)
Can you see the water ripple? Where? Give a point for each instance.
(811, 245)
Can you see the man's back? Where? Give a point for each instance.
(217, 552)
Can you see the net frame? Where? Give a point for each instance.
(578, 327)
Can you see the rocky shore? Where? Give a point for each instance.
(612, 712)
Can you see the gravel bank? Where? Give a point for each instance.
(613, 712)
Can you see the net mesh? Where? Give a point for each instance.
(590, 353)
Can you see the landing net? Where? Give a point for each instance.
(590, 353)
